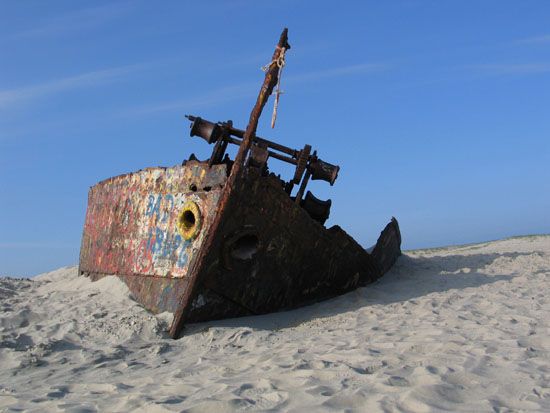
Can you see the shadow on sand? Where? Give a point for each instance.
(410, 278)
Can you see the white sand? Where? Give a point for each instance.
(452, 329)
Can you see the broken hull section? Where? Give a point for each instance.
(269, 255)
(256, 253)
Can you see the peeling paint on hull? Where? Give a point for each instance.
(131, 220)
(266, 255)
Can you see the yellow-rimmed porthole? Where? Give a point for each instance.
(189, 220)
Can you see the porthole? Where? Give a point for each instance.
(189, 220)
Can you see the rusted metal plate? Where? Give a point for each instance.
(131, 220)
(157, 294)
(269, 255)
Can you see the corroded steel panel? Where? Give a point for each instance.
(131, 221)
(269, 255)
(157, 294)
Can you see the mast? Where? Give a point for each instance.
(270, 81)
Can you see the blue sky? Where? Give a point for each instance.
(437, 111)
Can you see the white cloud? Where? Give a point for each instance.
(89, 79)
(357, 69)
(250, 89)
(75, 20)
(544, 39)
(211, 98)
(511, 69)
(12, 245)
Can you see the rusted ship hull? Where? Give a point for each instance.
(222, 238)
(265, 255)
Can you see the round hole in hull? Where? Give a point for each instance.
(245, 247)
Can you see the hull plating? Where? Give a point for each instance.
(265, 255)
(131, 221)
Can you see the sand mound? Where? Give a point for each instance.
(460, 328)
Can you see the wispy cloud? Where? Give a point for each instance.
(250, 89)
(357, 69)
(211, 98)
(12, 245)
(511, 69)
(75, 20)
(84, 80)
(543, 39)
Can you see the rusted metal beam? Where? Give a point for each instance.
(271, 78)
(232, 131)
(222, 133)
(272, 154)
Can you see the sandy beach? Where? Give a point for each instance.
(451, 329)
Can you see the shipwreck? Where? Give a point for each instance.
(225, 237)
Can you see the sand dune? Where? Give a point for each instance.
(451, 329)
